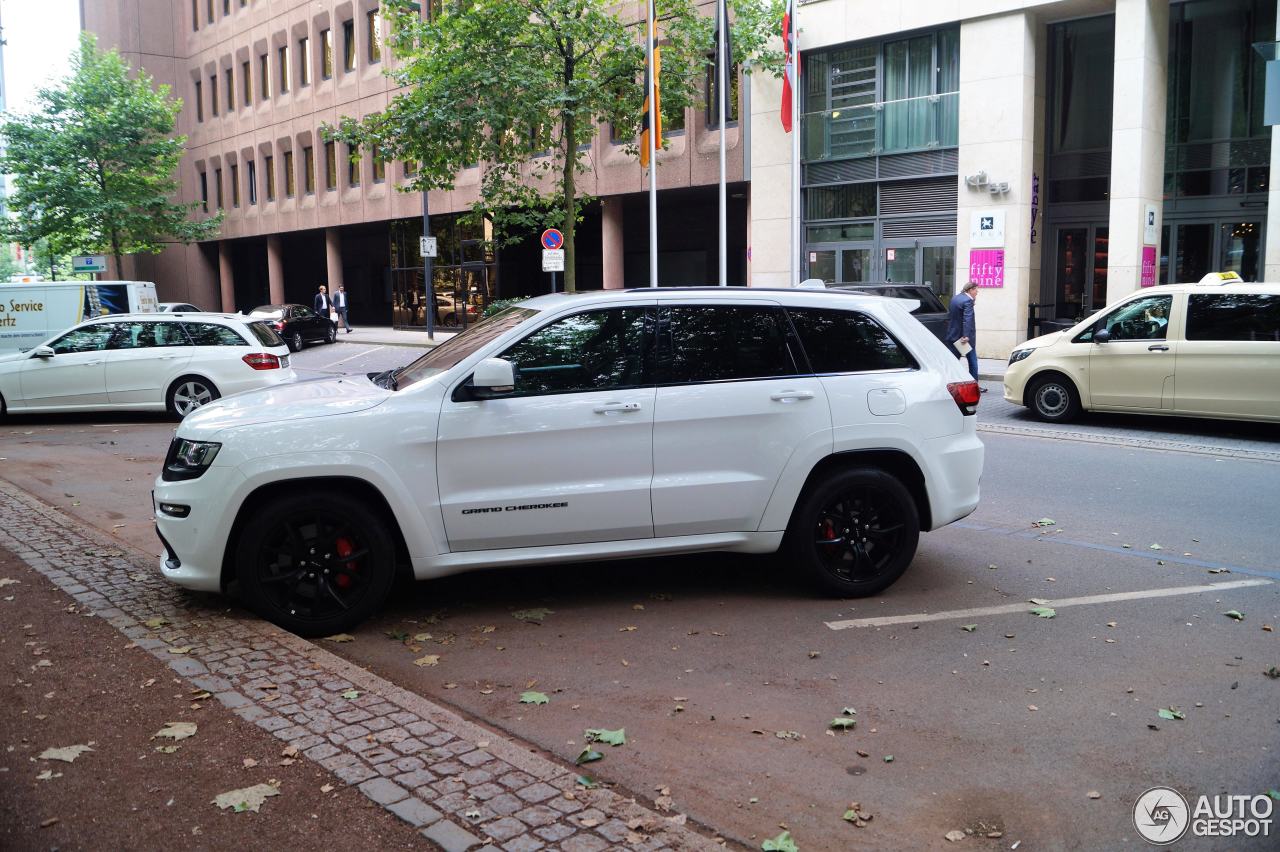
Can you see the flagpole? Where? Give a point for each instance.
(722, 71)
(653, 151)
(796, 123)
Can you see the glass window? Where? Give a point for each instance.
(252, 175)
(308, 170)
(374, 21)
(208, 334)
(204, 192)
(723, 343)
(147, 335)
(88, 338)
(290, 184)
(330, 165)
(848, 201)
(460, 346)
(265, 334)
(217, 186)
(235, 185)
(282, 53)
(731, 97)
(1082, 63)
(229, 79)
(304, 62)
(1241, 249)
(326, 54)
(592, 351)
(268, 164)
(246, 84)
(209, 11)
(264, 77)
(1215, 77)
(847, 342)
(353, 166)
(213, 94)
(195, 15)
(302, 312)
(1142, 319)
(1233, 316)
(379, 166)
(349, 45)
(199, 98)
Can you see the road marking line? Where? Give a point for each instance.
(349, 357)
(889, 620)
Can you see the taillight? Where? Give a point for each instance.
(278, 326)
(262, 361)
(966, 395)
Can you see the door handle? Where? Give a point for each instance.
(1157, 347)
(92, 363)
(791, 395)
(609, 407)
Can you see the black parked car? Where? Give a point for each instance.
(931, 312)
(297, 324)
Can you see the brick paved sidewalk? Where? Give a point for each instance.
(466, 787)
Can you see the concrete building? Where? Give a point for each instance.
(260, 77)
(1062, 153)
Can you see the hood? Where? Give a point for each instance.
(14, 356)
(287, 402)
(1041, 341)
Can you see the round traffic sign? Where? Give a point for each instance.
(552, 239)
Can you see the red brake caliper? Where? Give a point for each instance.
(829, 531)
(345, 549)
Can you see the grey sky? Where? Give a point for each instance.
(40, 36)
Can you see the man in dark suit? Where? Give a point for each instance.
(340, 305)
(960, 325)
(322, 303)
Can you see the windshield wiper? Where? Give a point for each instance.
(385, 379)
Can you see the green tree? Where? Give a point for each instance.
(520, 86)
(94, 164)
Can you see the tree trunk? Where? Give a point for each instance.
(115, 252)
(569, 132)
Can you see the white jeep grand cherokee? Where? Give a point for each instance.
(579, 427)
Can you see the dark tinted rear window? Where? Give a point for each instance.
(265, 334)
(1233, 316)
(723, 343)
(209, 334)
(847, 342)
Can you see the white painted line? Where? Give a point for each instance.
(1005, 609)
(349, 357)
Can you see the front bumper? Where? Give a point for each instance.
(195, 545)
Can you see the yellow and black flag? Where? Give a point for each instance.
(657, 96)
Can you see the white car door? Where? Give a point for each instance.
(734, 402)
(143, 358)
(567, 457)
(74, 376)
(1134, 369)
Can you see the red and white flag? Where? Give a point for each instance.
(790, 70)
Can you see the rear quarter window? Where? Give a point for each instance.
(1233, 316)
(265, 334)
(847, 342)
(210, 334)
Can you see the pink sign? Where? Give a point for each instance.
(1148, 266)
(986, 267)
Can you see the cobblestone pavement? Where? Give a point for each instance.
(466, 787)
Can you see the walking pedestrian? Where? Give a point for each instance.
(340, 305)
(322, 301)
(962, 333)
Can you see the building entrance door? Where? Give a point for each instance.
(1080, 269)
(848, 263)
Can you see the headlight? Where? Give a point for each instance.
(1020, 354)
(188, 459)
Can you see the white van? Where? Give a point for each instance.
(31, 313)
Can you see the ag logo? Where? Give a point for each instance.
(1161, 816)
(987, 223)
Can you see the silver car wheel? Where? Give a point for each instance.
(1052, 399)
(191, 395)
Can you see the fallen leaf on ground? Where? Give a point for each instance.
(340, 637)
(534, 616)
(532, 697)
(48, 775)
(1170, 713)
(185, 649)
(588, 755)
(1094, 794)
(67, 754)
(1044, 522)
(969, 628)
(781, 843)
(603, 735)
(156, 623)
(176, 730)
(249, 763)
(428, 660)
(7, 581)
(954, 835)
(628, 629)
(1044, 612)
(1154, 547)
(1234, 615)
(888, 758)
(1273, 673)
(351, 694)
(842, 723)
(170, 749)
(246, 799)
(326, 788)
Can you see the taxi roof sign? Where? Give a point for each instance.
(1222, 278)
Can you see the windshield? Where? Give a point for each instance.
(449, 353)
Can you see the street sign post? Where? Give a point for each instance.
(552, 254)
(426, 247)
(89, 263)
(552, 239)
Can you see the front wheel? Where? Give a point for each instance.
(331, 336)
(295, 342)
(189, 393)
(855, 532)
(1053, 399)
(315, 564)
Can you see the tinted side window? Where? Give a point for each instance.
(847, 342)
(723, 343)
(1142, 319)
(146, 335)
(597, 350)
(1233, 316)
(89, 338)
(208, 334)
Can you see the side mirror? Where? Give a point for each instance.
(1101, 336)
(493, 377)
(42, 352)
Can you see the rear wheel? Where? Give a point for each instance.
(1053, 399)
(331, 336)
(315, 564)
(855, 532)
(295, 342)
(189, 393)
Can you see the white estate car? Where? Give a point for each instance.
(580, 427)
(144, 362)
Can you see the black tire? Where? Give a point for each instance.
(854, 532)
(315, 564)
(1053, 399)
(295, 342)
(331, 336)
(189, 393)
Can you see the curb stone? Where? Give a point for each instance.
(294, 689)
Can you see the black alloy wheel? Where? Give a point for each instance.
(331, 335)
(316, 564)
(295, 342)
(856, 531)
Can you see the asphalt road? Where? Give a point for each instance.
(705, 661)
